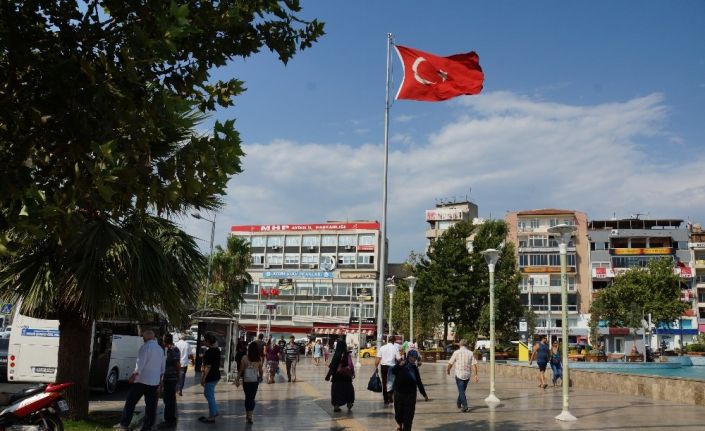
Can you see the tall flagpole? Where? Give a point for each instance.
(383, 232)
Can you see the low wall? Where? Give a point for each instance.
(674, 389)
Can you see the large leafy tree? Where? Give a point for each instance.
(229, 276)
(638, 292)
(99, 101)
(457, 282)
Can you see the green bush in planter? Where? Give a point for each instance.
(696, 347)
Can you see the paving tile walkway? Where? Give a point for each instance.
(305, 405)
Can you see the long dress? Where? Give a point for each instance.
(342, 391)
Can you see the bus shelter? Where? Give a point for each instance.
(225, 328)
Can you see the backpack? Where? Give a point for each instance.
(251, 373)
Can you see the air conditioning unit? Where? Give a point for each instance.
(348, 247)
(266, 265)
(275, 247)
(614, 232)
(311, 248)
(312, 266)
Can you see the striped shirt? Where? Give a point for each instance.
(463, 359)
(292, 352)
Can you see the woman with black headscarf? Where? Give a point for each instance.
(341, 372)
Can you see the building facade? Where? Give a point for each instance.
(446, 215)
(697, 247)
(539, 263)
(311, 279)
(617, 245)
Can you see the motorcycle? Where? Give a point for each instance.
(36, 408)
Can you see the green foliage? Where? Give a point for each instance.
(696, 347)
(229, 276)
(639, 291)
(458, 281)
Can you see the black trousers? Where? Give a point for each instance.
(151, 400)
(404, 409)
(387, 395)
(169, 387)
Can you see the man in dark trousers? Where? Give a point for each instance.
(170, 381)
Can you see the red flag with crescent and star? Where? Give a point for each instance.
(430, 78)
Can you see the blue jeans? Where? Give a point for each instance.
(250, 389)
(557, 372)
(462, 385)
(209, 393)
(182, 378)
(151, 401)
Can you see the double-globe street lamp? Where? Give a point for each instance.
(564, 232)
(412, 283)
(391, 287)
(210, 257)
(491, 256)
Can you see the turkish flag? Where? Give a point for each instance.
(431, 78)
(263, 291)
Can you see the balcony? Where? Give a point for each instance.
(555, 308)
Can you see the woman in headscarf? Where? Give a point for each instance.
(341, 372)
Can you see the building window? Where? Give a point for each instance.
(275, 241)
(341, 289)
(291, 259)
(344, 240)
(534, 223)
(322, 310)
(275, 259)
(362, 289)
(257, 259)
(293, 240)
(538, 259)
(328, 240)
(322, 289)
(252, 289)
(366, 240)
(340, 310)
(365, 259)
(304, 288)
(310, 240)
(538, 241)
(303, 309)
(309, 259)
(258, 241)
(285, 309)
(346, 259)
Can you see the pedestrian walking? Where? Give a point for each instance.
(145, 380)
(317, 352)
(292, 358)
(326, 353)
(406, 379)
(251, 374)
(261, 344)
(172, 366)
(282, 347)
(541, 354)
(240, 351)
(556, 366)
(387, 357)
(465, 366)
(184, 359)
(341, 373)
(272, 355)
(210, 375)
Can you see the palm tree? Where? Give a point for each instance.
(229, 273)
(109, 268)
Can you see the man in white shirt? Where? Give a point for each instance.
(387, 356)
(146, 379)
(465, 366)
(184, 351)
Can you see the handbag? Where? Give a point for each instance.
(375, 383)
(344, 370)
(390, 379)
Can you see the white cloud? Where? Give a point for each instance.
(513, 151)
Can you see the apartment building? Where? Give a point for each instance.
(539, 263)
(445, 215)
(617, 245)
(697, 247)
(311, 279)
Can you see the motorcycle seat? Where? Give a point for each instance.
(26, 393)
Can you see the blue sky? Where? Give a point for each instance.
(595, 106)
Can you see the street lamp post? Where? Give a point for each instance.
(412, 283)
(564, 232)
(210, 257)
(491, 257)
(391, 287)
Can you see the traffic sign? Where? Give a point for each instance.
(6, 308)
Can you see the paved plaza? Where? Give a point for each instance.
(305, 405)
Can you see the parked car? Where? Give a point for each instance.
(4, 342)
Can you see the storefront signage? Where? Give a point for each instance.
(545, 269)
(365, 248)
(305, 227)
(365, 275)
(297, 274)
(640, 251)
(444, 214)
(684, 272)
(696, 245)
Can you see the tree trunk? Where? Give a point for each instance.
(74, 361)
(445, 330)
